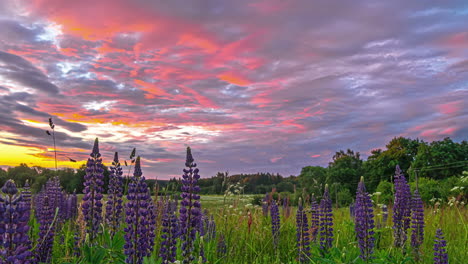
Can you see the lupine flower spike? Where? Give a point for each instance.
(401, 209)
(303, 239)
(440, 251)
(417, 222)
(364, 222)
(326, 221)
(275, 223)
(92, 204)
(140, 229)
(190, 209)
(14, 216)
(315, 218)
(114, 201)
(168, 249)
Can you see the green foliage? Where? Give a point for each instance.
(345, 169)
(385, 189)
(313, 179)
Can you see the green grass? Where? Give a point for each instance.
(256, 245)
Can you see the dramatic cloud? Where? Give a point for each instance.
(250, 86)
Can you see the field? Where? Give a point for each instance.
(255, 244)
(139, 228)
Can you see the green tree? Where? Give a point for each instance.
(345, 169)
(441, 159)
(313, 179)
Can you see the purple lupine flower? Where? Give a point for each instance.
(302, 232)
(151, 223)
(440, 250)
(326, 221)
(275, 223)
(26, 193)
(168, 249)
(73, 205)
(114, 206)
(315, 218)
(15, 246)
(401, 209)
(47, 226)
(265, 204)
(190, 208)
(92, 204)
(417, 221)
(140, 228)
(364, 222)
(57, 198)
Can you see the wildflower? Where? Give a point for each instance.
(440, 251)
(169, 230)
(315, 218)
(47, 226)
(92, 205)
(401, 209)
(15, 245)
(326, 221)
(364, 222)
(417, 221)
(275, 223)
(114, 201)
(190, 208)
(138, 233)
(302, 233)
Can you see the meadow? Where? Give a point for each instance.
(130, 225)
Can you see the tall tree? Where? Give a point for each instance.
(345, 169)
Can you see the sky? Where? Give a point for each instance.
(250, 86)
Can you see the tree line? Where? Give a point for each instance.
(432, 164)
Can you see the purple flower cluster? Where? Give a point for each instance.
(57, 198)
(417, 221)
(139, 233)
(326, 221)
(92, 204)
(190, 209)
(275, 223)
(114, 202)
(51, 210)
(169, 230)
(302, 232)
(47, 218)
(72, 206)
(401, 209)
(15, 246)
(440, 250)
(364, 222)
(26, 200)
(315, 218)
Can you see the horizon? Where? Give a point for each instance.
(263, 86)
